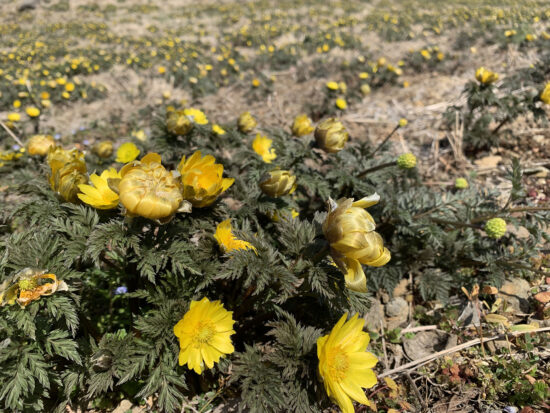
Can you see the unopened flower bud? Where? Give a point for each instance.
(331, 136)
(278, 183)
(495, 228)
(406, 161)
(103, 149)
(461, 183)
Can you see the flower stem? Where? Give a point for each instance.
(385, 140)
(376, 168)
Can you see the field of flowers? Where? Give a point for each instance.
(275, 206)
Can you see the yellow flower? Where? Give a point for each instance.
(178, 123)
(127, 152)
(530, 37)
(255, 82)
(350, 230)
(17, 103)
(204, 334)
(278, 183)
(461, 183)
(202, 179)
(218, 130)
(147, 189)
(139, 135)
(332, 85)
(363, 75)
(331, 136)
(403, 122)
(226, 239)
(545, 95)
(509, 33)
(196, 116)
(161, 70)
(40, 144)
(485, 76)
(426, 54)
(246, 122)
(69, 87)
(341, 103)
(344, 363)
(302, 125)
(33, 112)
(68, 170)
(100, 195)
(14, 117)
(495, 228)
(103, 149)
(365, 89)
(29, 285)
(262, 146)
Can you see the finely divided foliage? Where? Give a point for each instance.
(241, 220)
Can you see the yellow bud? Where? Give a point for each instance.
(103, 149)
(486, 77)
(545, 94)
(278, 183)
(331, 136)
(406, 161)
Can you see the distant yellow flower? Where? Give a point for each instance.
(226, 239)
(365, 89)
(29, 285)
(202, 179)
(147, 189)
(509, 33)
(302, 126)
(14, 117)
(40, 144)
(485, 76)
(426, 54)
(255, 82)
(161, 70)
(178, 123)
(218, 130)
(403, 122)
(33, 112)
(196, 116)
(344, 363)
(341, 103)
(127, 152)
(530, 37)
(363, 75)
(545, 95)
(332, 85)
(69, 87)
(139, 135)
(17, 103)
(278, 183)
(204, 334)
(246, 122)
(262, 146)
(350, 230)
(100, 195)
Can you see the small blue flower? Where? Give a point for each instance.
(57, 136)
(82, 128)
(121, 290)
(86, 142)
(16, 147)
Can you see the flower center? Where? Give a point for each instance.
(338, 364)
(29, 284)
(204, 331)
